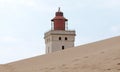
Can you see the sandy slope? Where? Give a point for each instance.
(102, 56)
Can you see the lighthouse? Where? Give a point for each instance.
(59, 37)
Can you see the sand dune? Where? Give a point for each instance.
(101, 56)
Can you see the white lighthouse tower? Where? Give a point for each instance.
(59, 37)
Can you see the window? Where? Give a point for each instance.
(48, 50)
(63, 47)
(66, 38)
(59, 38)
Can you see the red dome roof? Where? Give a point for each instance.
(59, 17)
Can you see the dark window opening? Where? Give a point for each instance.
(59, 38)
(63, 47)
(66, 38)
(48, 50)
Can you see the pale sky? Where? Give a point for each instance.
(24, 22)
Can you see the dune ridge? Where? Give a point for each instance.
(101, 56)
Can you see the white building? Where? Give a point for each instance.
(59, 37)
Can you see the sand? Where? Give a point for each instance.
(101, 56)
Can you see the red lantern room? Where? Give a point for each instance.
(59, 22)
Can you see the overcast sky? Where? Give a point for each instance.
(24, 22)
